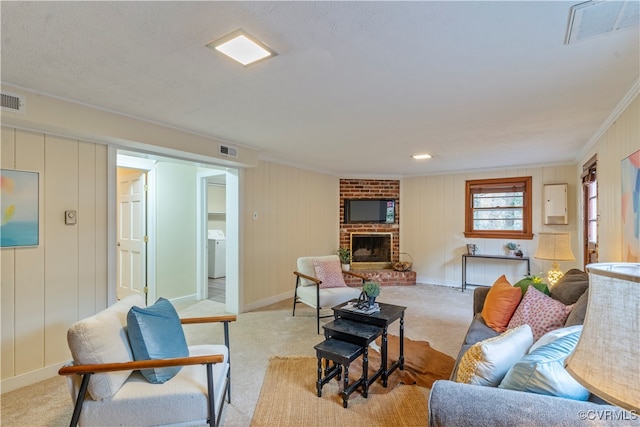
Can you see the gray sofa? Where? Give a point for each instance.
(457, 404)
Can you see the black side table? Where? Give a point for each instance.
(388, 314)
(358, 333)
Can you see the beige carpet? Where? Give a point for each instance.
(289, 398)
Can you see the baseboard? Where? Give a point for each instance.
(437, 282)
(268, 301)
(23, 380)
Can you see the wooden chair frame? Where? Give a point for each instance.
(87, 370)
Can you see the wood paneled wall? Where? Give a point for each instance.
(47, 288)
(432, 226)
(285, 213)
(618, 142)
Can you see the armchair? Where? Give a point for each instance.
(107, 387)
(309, 289)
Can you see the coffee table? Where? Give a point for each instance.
(388, 314)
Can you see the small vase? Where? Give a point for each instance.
(346, 267)
(372, 302)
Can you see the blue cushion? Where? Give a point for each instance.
(155, 332)
(542, 371)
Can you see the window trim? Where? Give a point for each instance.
(525, 234)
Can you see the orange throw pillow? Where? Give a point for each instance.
(500, 304)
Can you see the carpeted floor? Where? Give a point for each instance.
(437, 314)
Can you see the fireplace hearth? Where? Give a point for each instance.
(371, 250)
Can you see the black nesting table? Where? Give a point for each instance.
(388, 314)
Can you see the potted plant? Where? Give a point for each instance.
(511, 247)
(345, 257)
(371, 290)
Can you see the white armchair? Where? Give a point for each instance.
(107, 387)
(311, 290)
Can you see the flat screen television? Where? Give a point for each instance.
(378, 211)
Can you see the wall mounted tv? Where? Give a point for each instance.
(378, 211)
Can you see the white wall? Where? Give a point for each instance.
(176, 230)
(217, 209)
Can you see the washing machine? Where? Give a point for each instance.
(217, 254)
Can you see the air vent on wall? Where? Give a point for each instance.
(228, 151)
(12, 102)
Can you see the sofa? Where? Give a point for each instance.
(453, 403)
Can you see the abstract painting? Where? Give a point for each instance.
(631, 208)
(19, 208)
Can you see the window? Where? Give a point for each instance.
(590, 209)
(498, 208)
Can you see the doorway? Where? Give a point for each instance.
(172, 262)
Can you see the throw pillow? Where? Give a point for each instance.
(541, 312)
(330, 272)
(542, 371)
(570, 286)
(550, 337)
(102, 338)
(155, 332)
(500, 303)
(579, 310)
(487, 362)
(528, 281)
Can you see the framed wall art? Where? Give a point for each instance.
(19, 208)
(631, 208)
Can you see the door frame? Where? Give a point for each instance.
(232, 200)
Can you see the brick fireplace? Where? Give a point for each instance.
(374, 268)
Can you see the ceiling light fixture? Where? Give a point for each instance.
(421, 156)
(242, 47)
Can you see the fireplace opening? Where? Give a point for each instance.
(371, 250)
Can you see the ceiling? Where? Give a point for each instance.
(357, 87)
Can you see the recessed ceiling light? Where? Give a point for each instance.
(242, 47)
(421, 156)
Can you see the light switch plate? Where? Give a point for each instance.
(70, 217)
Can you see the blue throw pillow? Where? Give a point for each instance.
(155, 332)
(542, 371)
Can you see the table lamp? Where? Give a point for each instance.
(555, 247)
(606, 359)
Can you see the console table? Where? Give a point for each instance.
(498, 257)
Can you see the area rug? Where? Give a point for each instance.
(422, 364)
(288, 398)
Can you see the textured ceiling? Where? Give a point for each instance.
(357, 87)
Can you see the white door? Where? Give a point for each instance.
(132, 233)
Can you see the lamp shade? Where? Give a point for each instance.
(554, 246)
(607, 358)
